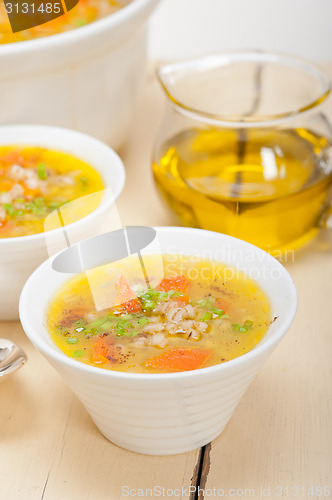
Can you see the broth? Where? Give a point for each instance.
(201, 314)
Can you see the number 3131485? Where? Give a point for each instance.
(31, 8)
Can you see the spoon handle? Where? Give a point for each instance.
(12, 357)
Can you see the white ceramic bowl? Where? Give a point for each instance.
(166, 413)
(87, 79)
(20, 256)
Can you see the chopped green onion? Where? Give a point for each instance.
(157, 295)
(238, 328)
(248, 324)
(218, 312)
(30, 206)
(72, 340)
(78, 354)
(11, 210)
(127, 324)
(81, 22)
(143, 321)
(127, 316)
(132, 334)
(120, 331)
(243, 329)
(39, 202)
(54, 204)
(37, 206)
(175, 293)
(101, 324)
(148, 305)
(42, 172)
(206, 316)
(206, 302)
(202, 303)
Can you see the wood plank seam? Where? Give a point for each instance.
(200, 473)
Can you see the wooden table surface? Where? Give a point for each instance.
(279, 437)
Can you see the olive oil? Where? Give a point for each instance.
(264, 186)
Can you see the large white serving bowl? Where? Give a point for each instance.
(165, 414)
(20, 256)
(88, 79)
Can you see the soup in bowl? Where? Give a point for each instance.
(41, 170)
(200, 314)
(85, 12)
(161, 368)
(34, 182)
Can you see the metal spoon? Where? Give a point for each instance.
(12, 357)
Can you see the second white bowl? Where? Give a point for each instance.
(20, 256)
(89, 79)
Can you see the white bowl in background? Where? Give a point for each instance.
(19, 256)
(88, 79)
(164, 414)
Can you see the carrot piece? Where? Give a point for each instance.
(179, 359)
(126, 300)
(182, 301)
(103, 350)
(32, 193)
(179, 284)
(6, 184)
(6, 226)
(224, 305)
(12, 157)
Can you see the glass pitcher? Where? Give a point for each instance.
(244, 148)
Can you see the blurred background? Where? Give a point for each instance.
(185, 28)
